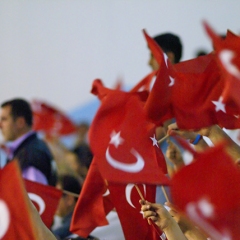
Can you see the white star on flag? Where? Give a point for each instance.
(206, 208)
(219, 105)
(155, 142)
(116, 139)
(172, 81)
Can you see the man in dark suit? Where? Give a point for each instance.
(32, 153)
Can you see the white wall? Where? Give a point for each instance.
(54, 49)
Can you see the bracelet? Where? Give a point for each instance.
(196, 140)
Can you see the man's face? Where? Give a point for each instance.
(153, 63)
(8, 124)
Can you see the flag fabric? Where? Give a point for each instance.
(208, 191)
(145, 83)
(51, 120)
(101, 91)
(158, 104)
(191, 92)
(45, 198)
(228, 55)
(93, 204)
(124, 143)
(196, 95)
(126, 201)
(15, 219)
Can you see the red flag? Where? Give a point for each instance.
(158, 104)
(145, 83)
(123, 141)
(196, 95)
(228, 55)
(99, 89)
(190, 91)
(15, 219)
(51, 120)
(208, 191)
(45, 198)
(126, 201)
(93, 204)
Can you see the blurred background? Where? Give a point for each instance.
(52, 50)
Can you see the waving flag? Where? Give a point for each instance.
(123, 141)
(193, 92)
(208, 191)
(51, 120)
(126, 201)
(228, 55)
(45, 198)
(145, 83)
(158, 104)
(15, 219)
(93, 201)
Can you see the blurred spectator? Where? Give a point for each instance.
(63, 216)
(23, 144)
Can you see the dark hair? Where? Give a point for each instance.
(69, 183)
(170, 43)
(84, 154)
(20, 108)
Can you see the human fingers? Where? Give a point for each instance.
(173, 126)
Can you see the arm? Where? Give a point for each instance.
(42, 231)
(217, 135)
(162, 219)
(174, 155)
(201, 145)
(188, 228)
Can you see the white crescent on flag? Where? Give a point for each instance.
(4, 218)
(127, 167)
(128, 191)
(106, 193)
(39, 201)
(226, 56)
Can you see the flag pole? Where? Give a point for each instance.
(162, 139)
(165, 193)
(70, 193)
(139, 192)
(142, 198)
(150, 221)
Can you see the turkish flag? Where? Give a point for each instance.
(93, 204)
(15, 219)
(126, 201)
(101, 91)
(123, 141)
(208, 191)
(158, 104)
(228, 56)
(45, 198)
(51, 120)
(196, 95)
(192, 92)
(145, 83)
